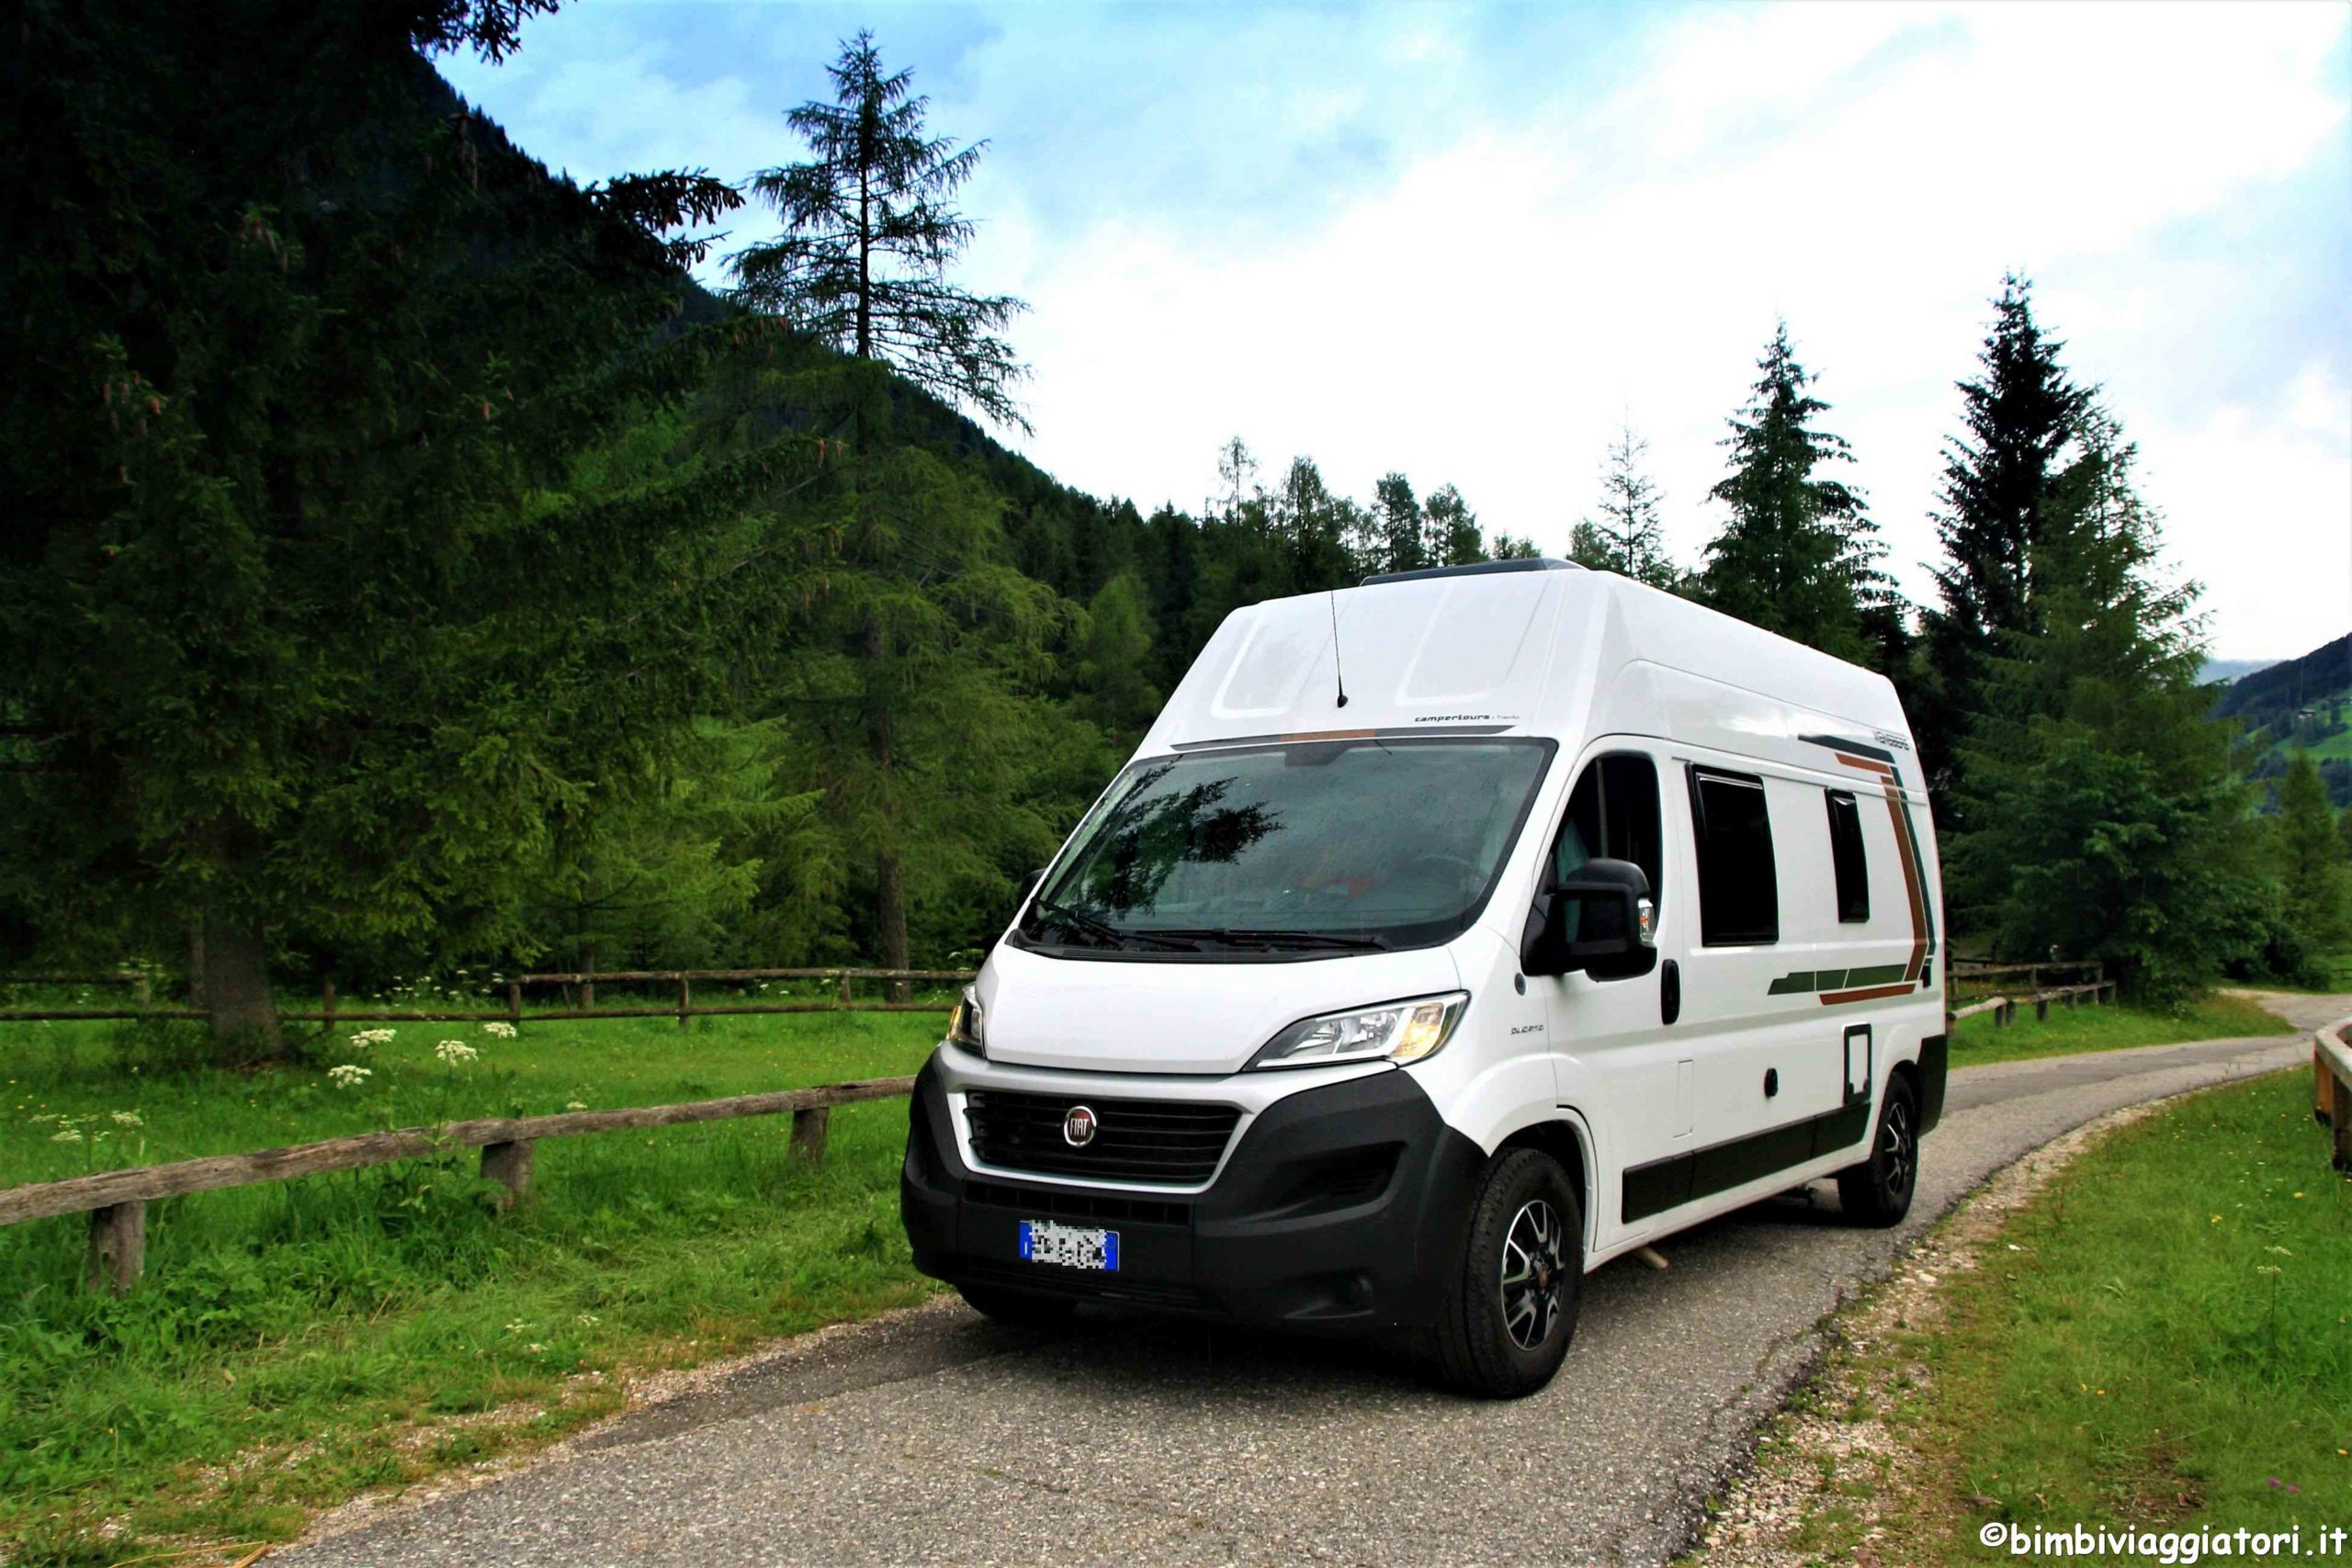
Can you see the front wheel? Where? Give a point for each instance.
(1511, 1307)
(1878, 1191)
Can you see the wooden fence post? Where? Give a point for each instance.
(845, 997)
(118, 1245)
(326, 1002)
(686, 999)
(515, 1003)
(2041, 1009)
(2323, 1086)
(809, 1128)
(509, 1165)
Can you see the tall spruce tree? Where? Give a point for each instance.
(1798, 554)
(1627, 536)
(869, 236)
(2314, 875)
(2105, 818)
(2002, 485)
(305, 364)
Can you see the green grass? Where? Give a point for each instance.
(1976, 1041)
(2161, 1338)
(285, 1332)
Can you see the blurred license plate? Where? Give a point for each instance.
(1071, 1246)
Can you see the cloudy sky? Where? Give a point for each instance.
(1466, 241)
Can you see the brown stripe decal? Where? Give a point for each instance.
(1913, 889)
(1868, 994)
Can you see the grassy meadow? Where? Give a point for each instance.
(283, 1331)
(2161, 1338)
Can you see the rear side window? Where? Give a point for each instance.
(1739, 892)
(1846, 849)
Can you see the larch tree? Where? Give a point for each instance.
(1627, 535)
(2314, 877)
(1798, 553)
(1454, 536)
(868, 237)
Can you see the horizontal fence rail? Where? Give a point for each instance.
(2004, 1005)
(117, 1201)
(583, 983)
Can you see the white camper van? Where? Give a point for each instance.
(1446, 937)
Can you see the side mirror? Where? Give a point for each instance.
(1600, 921)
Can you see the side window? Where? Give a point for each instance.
(1739, 893)
(1846, 849)
(1613, 814)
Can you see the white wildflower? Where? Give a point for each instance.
(575, 1105)
(454, 1051)
(128, 1119)
(366, 1037)
(499, 1030)
(587, 1320)
(518, 1326)
(349, 1074)
(66, 1135)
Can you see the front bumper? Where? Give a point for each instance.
(1342, 1206)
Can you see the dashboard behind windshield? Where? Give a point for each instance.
(1296, 849)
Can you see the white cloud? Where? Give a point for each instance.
(1484, 314)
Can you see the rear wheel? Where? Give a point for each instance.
(1878, 1190)
(1511, 1308)
(1019, 1308)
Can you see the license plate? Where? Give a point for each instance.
(1071, 1246)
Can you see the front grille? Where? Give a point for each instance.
(1175, 1141)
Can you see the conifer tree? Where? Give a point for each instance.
(869, 236)
(320, 632)
(1454, 536)
(1397, 525)
(2314, 877)
(1798, 554)
(1627, 536)
(2106, 819)
(2002, 483)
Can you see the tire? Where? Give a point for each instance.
(1019, 1309)
(1502, 1339)
(1878, 1191)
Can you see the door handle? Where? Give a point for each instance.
(1669, 992)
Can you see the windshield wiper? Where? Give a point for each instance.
(1101, 931)
(1235, 936)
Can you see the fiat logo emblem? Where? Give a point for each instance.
(1078, 1127)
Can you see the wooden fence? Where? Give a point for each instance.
(117, 1201)
(582, 1003)
(2038, 995)
(2332, 1083)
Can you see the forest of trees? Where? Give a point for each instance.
(411, 566)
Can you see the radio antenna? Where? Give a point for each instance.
(1339, 675)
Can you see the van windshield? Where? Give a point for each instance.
(1302, 848)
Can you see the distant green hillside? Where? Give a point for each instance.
(2305, 701)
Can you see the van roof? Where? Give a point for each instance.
(1539, 648)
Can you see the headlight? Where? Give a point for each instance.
(965, 1027)
(1394, 1032)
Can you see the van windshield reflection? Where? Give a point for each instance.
(1308, 848)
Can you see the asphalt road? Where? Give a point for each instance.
(935, 1437)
